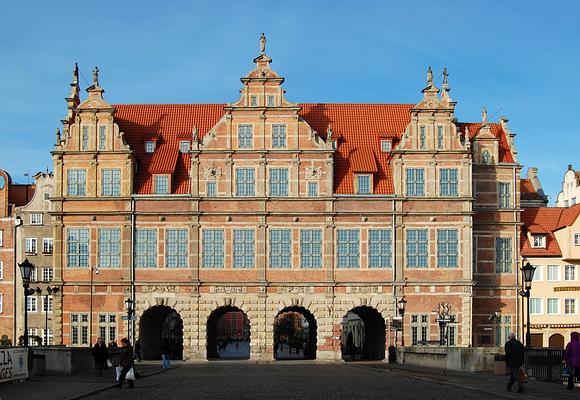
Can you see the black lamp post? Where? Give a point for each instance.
(401, 305)
(130, 312)
(49, 291)
(26, 268)
(528, 273)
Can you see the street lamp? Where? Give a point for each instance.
(528, 273)
(401, 305)
(96, 270)
(26, 269)
(49, 292)
(130, 312)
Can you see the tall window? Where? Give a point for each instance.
(47, 337)
(102, 137)
(417, 248)
(31, 304)
(503, 327)
(111, 182)
(176, 248)
(419, 329)
(243, 248)
(348, 248)
(78, 247)
(538, 273)
(146, 248)
(447, 245)
(47, 274)
(278, 136)
(47, 245)
(363, 184)
(535, 306)
(570, 273)
(271, 100)
(485, 157)
(245, 136)
(439, 137)
(47, 303)
(1, 237)
(503, 255)
(379, 248)
(1, 303)
(245, 182)
(109, 247)
(448, 184)
(312, 189)
(211, 189)
(253, 101)
(422, 138)
(161, 184)
(569, 306)
(447, 335)
(504, 195)
(279, 182)
(415, 182)
(1, 270)
(79, 329)
(149, 146)
(85, 138)
(280, 248)
(32, 334)
(108, 327)
(76, 182)
(30, 246)
(36, 219)
(553, 272)
(310, 248)
(213, 248)
(553, 306)
(576, 239)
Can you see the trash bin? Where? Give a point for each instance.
(499, 367)
(392, 355)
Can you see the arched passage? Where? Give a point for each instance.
(363, 334)
(295, 334)
(228, 334)
(158, 323)
(556, 341)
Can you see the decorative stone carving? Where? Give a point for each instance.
(228, 289)
(312, 173)
(212, 173)
(443, 310)
(293, 290)
(363, 289)
(162, 289)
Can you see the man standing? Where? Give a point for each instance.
(514, 359)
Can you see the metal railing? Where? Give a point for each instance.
(545, 364)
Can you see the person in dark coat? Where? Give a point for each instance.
(100, 355)
(165, 353)
(126, 363)
(514, 359)
(138, 350)
(572, 358)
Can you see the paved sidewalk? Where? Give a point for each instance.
(70, 386)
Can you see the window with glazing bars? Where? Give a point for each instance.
(448, 184)
(108, 327)
(161, 184)
(415, 182)
(245, 136)
(312, 189)
(447, 246)
(213, 248)
(146, 248)
(504, 195)
(76, 182)
(348, 248)
(279, 182)
(379, 248)
(243, 248)
(310, 248)
(176, 248)
(363, 184)
(419, 329)
(278, 136)
(111, 182)
(439, 137)
(78, 247)
(417, 248)
(245, 182)
(211, 189)
(280, 248)
(47, 245)
(47, 274)
(503, 255)
(102, 137)
(85, 138)
(109, 248)
(422, 137)
(503, 328)
(79, 326)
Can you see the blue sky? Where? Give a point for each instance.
(521, 59)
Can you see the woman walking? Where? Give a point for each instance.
(100, 355)
(126, 364)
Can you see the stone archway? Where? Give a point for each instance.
(556, 341)
(295, 334)
(228, 334)
(158, 323)
(363, 334)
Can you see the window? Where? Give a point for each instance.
(176, 248)
(47, 337)
(76, 182)
(539, 241)
(183, 146)
(47, 245)
(253, 101)
(78, 247)
(280, 248)
(1, 270)
(553, 306)
(47, 302)
(1, 237)
(243, 248)
(503, 327)
(439, 137)
(504, 195)
(447, 245)
(415, 182)
(573, 201)
(538, 273)
(569, 306)
(47, 274)
(1, 303)
(503, 255)
(417, 248)
(485, 157)
(535, 306)
(448, 184)
(109, 248)
(30, 246)
(348, 248)
(211, 189)
(149, 146)
(245, 182)
(576, 239)
(161, 184)
(386, 146)
(419, 329)
(32, 335)
(379, 248)
(46, 196)
(213, 248)
(111, 182)
(566, 203)
(278, 136)
(363, 184)
(245, 136)
(108, 327)
(85, 138)
(312, 189)
(422, 144)
(102, 137)
(278, 182)
(79, 329)
(34, 275)
(553, 272)
(146, 248)
(310, 248)
(570, 273)
(271, 100)
(36, 219)
(31, 304)
(447, 335)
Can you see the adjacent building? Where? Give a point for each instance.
(570, 194)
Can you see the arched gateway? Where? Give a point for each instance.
(228, 334)
(158, 323)
(295, 334)
(363, 334)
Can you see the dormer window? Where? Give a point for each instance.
(386, 145)
(149, 146)
(253, 101)
(161, 184)
(539, 241)
(271, 100)
(184, 146)
(363, 185)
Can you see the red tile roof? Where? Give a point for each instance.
(505, 154)
(528, 191)
(569, 216)
(537, 221)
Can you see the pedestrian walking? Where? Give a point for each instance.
(100, 355)
(113, 344)
(514, 359)
(572, 358)
(165, 353)
(138, 350)
(126, 364)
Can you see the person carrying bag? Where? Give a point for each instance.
(126, 364)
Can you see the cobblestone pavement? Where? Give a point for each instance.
(289, 380)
